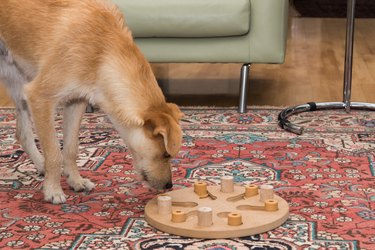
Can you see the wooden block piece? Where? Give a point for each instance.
(251, 190)
(164, 204)
(250, 207)
(236, 197)
(265, 192)
(234, 219)
(179, 216)
(204, 216)
(227, 184)
(271, 205)
(200, 188)
(184, 204)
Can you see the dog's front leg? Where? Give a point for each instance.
(24, 133)
(73, 112)
(14, 80)
(42, 108)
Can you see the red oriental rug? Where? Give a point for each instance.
(326, 175)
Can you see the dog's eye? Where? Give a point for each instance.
(166, 155)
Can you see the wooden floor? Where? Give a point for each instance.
(313, 70)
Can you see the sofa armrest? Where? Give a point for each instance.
(268, 31)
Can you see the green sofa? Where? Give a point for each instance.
(210, 31)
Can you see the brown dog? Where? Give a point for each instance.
(69, 52)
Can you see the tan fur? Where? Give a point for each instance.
(72, 52)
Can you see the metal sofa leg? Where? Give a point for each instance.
(244, 82)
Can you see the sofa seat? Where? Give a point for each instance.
(192, 18)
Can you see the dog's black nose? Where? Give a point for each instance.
(169, 185)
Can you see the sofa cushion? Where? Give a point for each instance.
(186, 18)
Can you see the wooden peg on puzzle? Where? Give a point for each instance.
(227, 184)
(179, 216)
(200, 188)
(251, 190)
(265, 192)
(164, 204)
(204, 216)
(234, 219)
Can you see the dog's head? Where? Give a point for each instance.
(129, 93)
(153, 144)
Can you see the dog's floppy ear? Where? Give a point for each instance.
(175, 111)
(166, 126)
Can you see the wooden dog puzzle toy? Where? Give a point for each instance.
(223, 211)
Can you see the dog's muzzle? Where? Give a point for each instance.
(169, 185)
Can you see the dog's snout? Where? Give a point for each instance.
(169, 185)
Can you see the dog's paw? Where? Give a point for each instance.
(55, 196)
(80, 184)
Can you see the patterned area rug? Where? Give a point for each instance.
(326, 175)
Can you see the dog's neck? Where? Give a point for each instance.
(128, 88)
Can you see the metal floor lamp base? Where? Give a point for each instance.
(312, 106)
(346, 104)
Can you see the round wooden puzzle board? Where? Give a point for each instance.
(254, 221)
